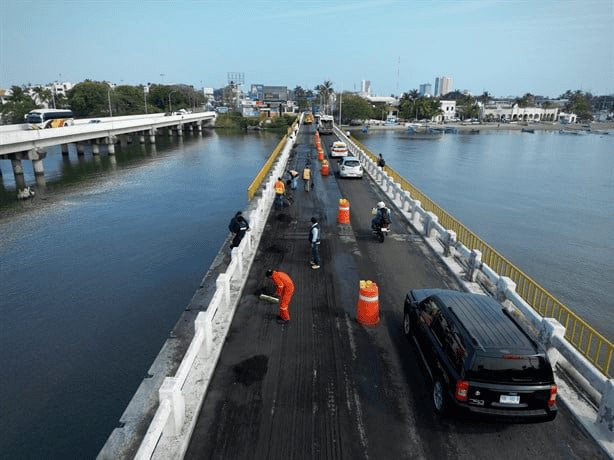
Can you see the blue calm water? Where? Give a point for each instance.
(95, 273)
(544, 200)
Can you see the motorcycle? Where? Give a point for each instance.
(380, 231)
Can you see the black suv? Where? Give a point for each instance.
(478, 356)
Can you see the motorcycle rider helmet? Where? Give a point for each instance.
(381, 205)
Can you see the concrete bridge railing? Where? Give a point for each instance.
(443, 241)
(181, 396)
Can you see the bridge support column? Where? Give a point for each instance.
(80, 149)
(191, 128)
(20, 181)
(199, 127)
(95, 147)
(110, 146)
(180, 130)
(65, 150)
(475, 263)
(152, 136)
(170, 131)
(142, 137)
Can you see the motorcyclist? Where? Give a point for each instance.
(382, 216)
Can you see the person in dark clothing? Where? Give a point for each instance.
(381, 162)
(238, 225)
(314, 239)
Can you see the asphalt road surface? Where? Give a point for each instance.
(324, 386)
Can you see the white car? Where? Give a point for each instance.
(350, 167)
(339, 149)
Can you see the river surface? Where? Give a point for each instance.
(545, 201)
(95, 273)
(96, 270)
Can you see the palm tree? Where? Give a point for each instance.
(325, 90)
(42, 95)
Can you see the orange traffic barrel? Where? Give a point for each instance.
(367, 309)
(320, 154)
(318, 144)
(325, 168)
(343, 215)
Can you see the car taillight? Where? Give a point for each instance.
(462, 390)
(552, 399)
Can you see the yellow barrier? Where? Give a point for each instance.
(255, 185)
(590, 343)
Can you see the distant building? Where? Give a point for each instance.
(449, 111)
(256, 92)
(507, 111)
(425, 90)
(365, 88)
(445, 85)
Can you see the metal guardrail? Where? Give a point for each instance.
(255, 185)
(590, 343)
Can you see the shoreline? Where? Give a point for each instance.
(594, 127)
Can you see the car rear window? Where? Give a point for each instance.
(351, 163)
(510, 369)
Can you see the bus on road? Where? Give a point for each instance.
(325, 125)
(49, 118)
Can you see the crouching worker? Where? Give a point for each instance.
(238, 225)
(284, 290)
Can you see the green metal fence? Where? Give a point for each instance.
(590, 343)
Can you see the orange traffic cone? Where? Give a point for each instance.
(320, 154)
(367, 309)
(343, 215)
(325, 168)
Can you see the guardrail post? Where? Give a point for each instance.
(449, 244)
(605, 416)
(170, 391)
(550, 328)
(203, 322)
(504, 285)
(430, 220)
(414, 210)
(223, 283)
(475, 264)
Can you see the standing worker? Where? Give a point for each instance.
(293, 179)
(285, 289)
(280, 189)
(307, 177)
(314, 239)
(238, 225)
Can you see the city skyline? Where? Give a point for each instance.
(505, 48)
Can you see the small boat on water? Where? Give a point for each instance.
(572, 132)
(450, 130)
(424, 132)
(474, 131)
(528, 130)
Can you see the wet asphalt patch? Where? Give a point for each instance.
(251, 370)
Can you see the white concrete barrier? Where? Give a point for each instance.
(552, 333)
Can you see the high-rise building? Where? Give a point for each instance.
(443, 85)
(365, 87)
(425, 89)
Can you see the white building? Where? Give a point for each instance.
(365, 88)
(505, 111)
(449, 111)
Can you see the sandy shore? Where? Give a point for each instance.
(595, 126)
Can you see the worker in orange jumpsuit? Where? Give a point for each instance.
(280, 190)
(285, 289)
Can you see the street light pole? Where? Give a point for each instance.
(109, 98)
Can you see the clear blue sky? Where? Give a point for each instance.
(504, 47)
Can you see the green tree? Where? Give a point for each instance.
(467, 107)
(354, 108)
(418, 108)
(485, 98)
(528, 100)
(16, 106)
(43, 95)
(578, 102)
(325, 90)
(91, 99)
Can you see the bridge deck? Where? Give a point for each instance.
(324, 386)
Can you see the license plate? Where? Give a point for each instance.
(507, 399)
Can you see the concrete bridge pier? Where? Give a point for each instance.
(199, 127)
(152, 136)
(142, 137)
(170, 131)
(65, 150)
(191, 128)
(95, 147)
(37, 157)
(110, 146)
(180, 130)
(80, 149)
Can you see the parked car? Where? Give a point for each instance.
(478, 356)
(350, 167)
(339, 149)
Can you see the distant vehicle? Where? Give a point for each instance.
(181, 112)
(308, 118)
(325, 125)
(49, 118)
(221, 109)
(391, 121)
(478, 356)
(339, 149)
(94, 121)
(350, 167)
